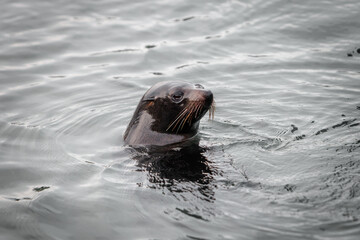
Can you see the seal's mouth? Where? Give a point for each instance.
(191, 113)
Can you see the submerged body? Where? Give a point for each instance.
(168, 113)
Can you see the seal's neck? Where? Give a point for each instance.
(141, 133)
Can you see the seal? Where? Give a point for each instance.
(169, 113)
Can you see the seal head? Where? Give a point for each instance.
(168, 113)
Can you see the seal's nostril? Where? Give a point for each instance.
(199, 86)
(208, 97)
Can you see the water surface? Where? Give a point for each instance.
(279, 161)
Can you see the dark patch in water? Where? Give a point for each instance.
(350, 147)
(297, 138)
(183, 66)
(354, 52)
(196, 238)
(57, 76)
(157, 73)
(302, 199)
(215, 36)
(39, 189)
(342, 188)
(294, 128)
(347, 177)
(178, 169)
(20, 199)
(150, 46)
(190, 214)
(125, 50)
(188, 18)
(321, 131)
(342, 124)
(258, 55)
(290, 187)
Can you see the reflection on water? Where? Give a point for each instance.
(173, 168)
(279, 161)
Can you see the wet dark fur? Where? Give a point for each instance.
(160, 120)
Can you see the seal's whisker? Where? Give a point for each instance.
(178, 118)
(188, 116)
(197, 109)
(212, 110)
(181, 126)
(191, 113)
(178, 122)
(182, 123)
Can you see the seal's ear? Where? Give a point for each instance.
(149, 98)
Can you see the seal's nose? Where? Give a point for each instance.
(209, 98)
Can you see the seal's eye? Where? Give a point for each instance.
(177, 97)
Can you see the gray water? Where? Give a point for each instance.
(279, 161)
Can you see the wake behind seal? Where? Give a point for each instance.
(169, 113)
